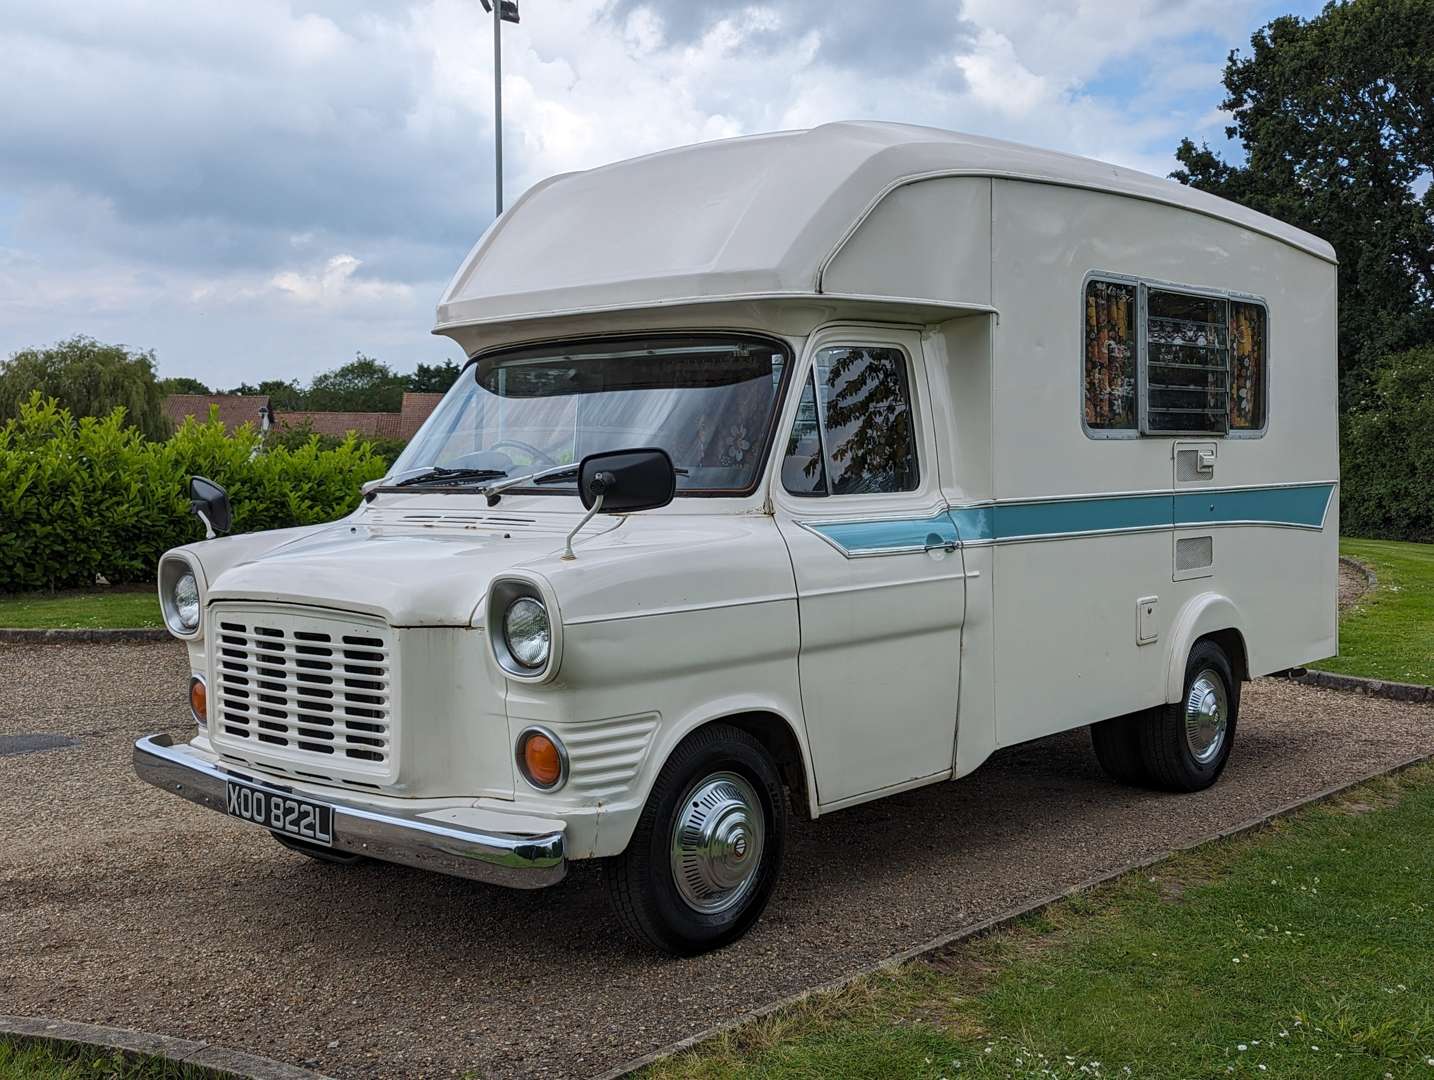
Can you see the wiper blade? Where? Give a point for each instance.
(438, 472)
(437, 478)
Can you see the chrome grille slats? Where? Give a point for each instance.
(307, 691)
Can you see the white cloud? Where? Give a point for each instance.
(333, 286)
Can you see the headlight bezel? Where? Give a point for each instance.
(502, 595)
(172, 570)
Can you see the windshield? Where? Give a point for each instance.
(709, 401)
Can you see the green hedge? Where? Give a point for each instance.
(1387, 453)
(87, 497)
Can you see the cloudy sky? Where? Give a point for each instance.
(261, 189)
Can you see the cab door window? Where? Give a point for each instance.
(854, 433)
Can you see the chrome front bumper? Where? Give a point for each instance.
(516, 860)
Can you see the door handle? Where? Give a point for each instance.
(1205, 461)
(936, 542)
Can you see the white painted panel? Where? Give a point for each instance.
(929, 239)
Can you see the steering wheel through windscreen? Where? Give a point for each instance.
(492, 457)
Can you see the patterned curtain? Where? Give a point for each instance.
(1110, 355)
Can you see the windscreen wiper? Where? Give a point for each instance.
(493, 492)
(438, 476)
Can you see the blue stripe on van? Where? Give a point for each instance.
(875, 535)
(1303, 506)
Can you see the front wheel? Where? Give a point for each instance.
(707, 851)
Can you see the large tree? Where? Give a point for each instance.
(362, 385)
(89, 378)
(1336, 117)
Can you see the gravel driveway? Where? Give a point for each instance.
(120, 905)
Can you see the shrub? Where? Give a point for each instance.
(1387, 451)
(87, 497)
(294, 436)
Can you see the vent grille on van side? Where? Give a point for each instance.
(1194, 553)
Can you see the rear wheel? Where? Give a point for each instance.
(1187, 743)
(1117, 747)
(707, 851)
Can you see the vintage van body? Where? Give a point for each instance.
(972, 443)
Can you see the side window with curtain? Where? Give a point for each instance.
(1110, 356)
(854, 433)
(1249, 353)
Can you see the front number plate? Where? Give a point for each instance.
(282, 813)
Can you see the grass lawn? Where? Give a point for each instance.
(22, 1059)
(1301, 951)
(1389, 634)
(89, 609)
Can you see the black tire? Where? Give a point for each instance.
(315, 852)
(1117, 747)
(1169, 759)
(641, 882)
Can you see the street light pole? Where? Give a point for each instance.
(503, 11)
(498, 105)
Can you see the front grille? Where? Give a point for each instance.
(314, 692)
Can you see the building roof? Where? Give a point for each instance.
(377, 425)
(234, 409)
(749, 218)
(415, 410)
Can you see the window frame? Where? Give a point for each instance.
(1259, 432)
(1113, 433)
(856, 340)
(791, 360)
(1143, 285)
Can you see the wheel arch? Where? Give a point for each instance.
(1208, 615)
(778, 734)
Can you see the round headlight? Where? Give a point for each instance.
(186, 602)
(526, 632)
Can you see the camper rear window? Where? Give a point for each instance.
(1171, 361)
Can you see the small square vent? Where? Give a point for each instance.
(1194, 553)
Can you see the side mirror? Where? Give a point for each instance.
(211, 503)
(625, 481)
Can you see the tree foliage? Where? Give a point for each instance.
(1336, 117)
(88, 378)
(183, 384)
(362, 385)
(282, 394)
(433, 378)
(1387, 452)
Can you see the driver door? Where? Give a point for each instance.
(881, 588)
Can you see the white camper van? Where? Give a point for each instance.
(786, 473)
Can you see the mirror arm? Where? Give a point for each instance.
(209, 532)
(568, 547)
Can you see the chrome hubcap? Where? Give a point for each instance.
(717, 843)
(1207, 714)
